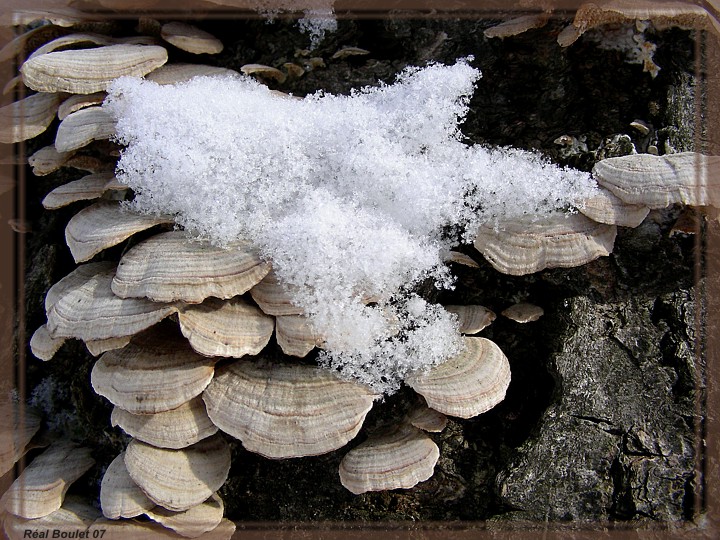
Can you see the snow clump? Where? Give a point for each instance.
(350, 197)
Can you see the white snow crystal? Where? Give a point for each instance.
(349, 197)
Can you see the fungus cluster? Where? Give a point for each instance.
(317, 239)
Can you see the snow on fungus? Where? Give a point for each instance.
(349, 197)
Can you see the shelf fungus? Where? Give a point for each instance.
(43, 345)
(156, 372)
(659, 181)
(231, 328)
(559, 240)
(18, 425)
(71, 520)
(79, 101)
(284, 411)
(273, 297)
(170, 266)
(28, 117)
(41, 487)
(399, 457)
(194, 521)
(523, 312)
(179, 479)
(86, 71)
(82, 306)
(89, 187)
(120, 496)
(295, 335)
(82, 127)
(177, 428)
(179, 72)
(605, 207)
(468, 384)
(190, 38)
(472, 318)
(103, 225)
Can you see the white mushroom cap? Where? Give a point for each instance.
(659, 181)
(43, 345)
(85, 71)
(286, 411)
(179, 479)
(82, 127)
(607, 208)
(18, 425)
(40, 488)
(231, 328)
(154, 373)
(75, 516)
(28, 117)
(399, 458)
(81, 305)
(273, 298)
(523, 312)
(558, 241)
(295, 335)
(103, 225)
(176, 428)
(120, 496)
(170, 266)
(190, 38)
(194, 521)
(472, 318)
(91, 186)
(468, 384)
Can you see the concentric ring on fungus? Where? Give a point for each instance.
(179, 479)
(468, 384)
(156, 372)
(284, 411)
(170, 266)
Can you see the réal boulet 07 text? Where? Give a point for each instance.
(56, 533)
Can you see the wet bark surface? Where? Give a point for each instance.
(599, 420)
